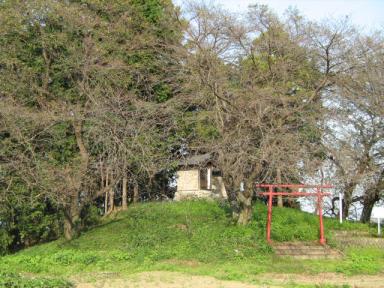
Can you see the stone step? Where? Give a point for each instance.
(305, 257)
(306, 251)
(319, 247)
(357, 238)
(303, 248)
(352, 233)
(316, 256)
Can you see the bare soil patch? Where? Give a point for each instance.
(357, 281)
(164, 279)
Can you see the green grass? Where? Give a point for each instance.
(197, 237)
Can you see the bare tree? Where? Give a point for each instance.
(249, 86)
(356, 113)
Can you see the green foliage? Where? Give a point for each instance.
(27, 221)
(206, 129)
(197, 127)
(11, 280)
(63, 143)
(291, 224)
(163, 92)
(5, 240)
(362, 260)
(152, 10)
(38, 41)
(90, 216)
(346, 225)
(56, 56)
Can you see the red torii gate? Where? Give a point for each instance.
(319, 194)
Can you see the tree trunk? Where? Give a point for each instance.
(371, 197)
(136, 192)
(245, 201)
(77, 125)
(245, 214)
(68, 227)
(106, 193)
(102, 175)
(72, 209)
(347, 199)
(279, 197)
(111, 196)
(232, 196)
(71, 216)
(124, 194)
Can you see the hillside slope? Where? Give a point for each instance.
(197, 237)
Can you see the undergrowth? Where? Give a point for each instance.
(12, 280)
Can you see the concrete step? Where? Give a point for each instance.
(304, 247)
(315, 257)
(303, 250)
(357, 238)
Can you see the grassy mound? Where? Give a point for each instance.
(196, 237)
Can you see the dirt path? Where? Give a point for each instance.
(162, 279)
(358, 281)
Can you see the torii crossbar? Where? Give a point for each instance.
(318, 193)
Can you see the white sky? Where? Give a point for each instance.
(367, 14)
